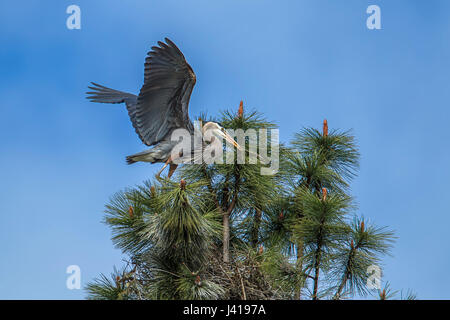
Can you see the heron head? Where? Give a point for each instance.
(217, 131)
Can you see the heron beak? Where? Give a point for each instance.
(227, 137)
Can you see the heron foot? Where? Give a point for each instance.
(158, 175)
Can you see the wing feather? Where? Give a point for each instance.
(163, 101)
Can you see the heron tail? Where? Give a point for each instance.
(144, 156)
(104, 94)
(130, 160)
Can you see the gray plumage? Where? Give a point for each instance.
(162, 104)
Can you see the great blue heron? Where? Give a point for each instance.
(161, 106)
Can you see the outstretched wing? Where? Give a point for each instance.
(163, 101)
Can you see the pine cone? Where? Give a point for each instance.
(198, 281)
(241, 109)
(325, 128)
(383, 294)
(130, 211)
(324, 193)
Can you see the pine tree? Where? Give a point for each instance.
(225, 231)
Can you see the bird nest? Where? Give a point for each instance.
(242, 278)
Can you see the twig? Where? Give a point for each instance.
(242, 284)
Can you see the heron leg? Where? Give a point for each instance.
(172, 169)
(158, 175)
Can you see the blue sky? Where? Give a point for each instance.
(297, 62)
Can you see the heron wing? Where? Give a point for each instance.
(163, 101)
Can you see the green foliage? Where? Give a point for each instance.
(191, 286)
(364, 246)
(310, 171)
(165, 227)
(184, 227)
(117, 287)
(337, 149)
(103, 288)
(287, 235)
